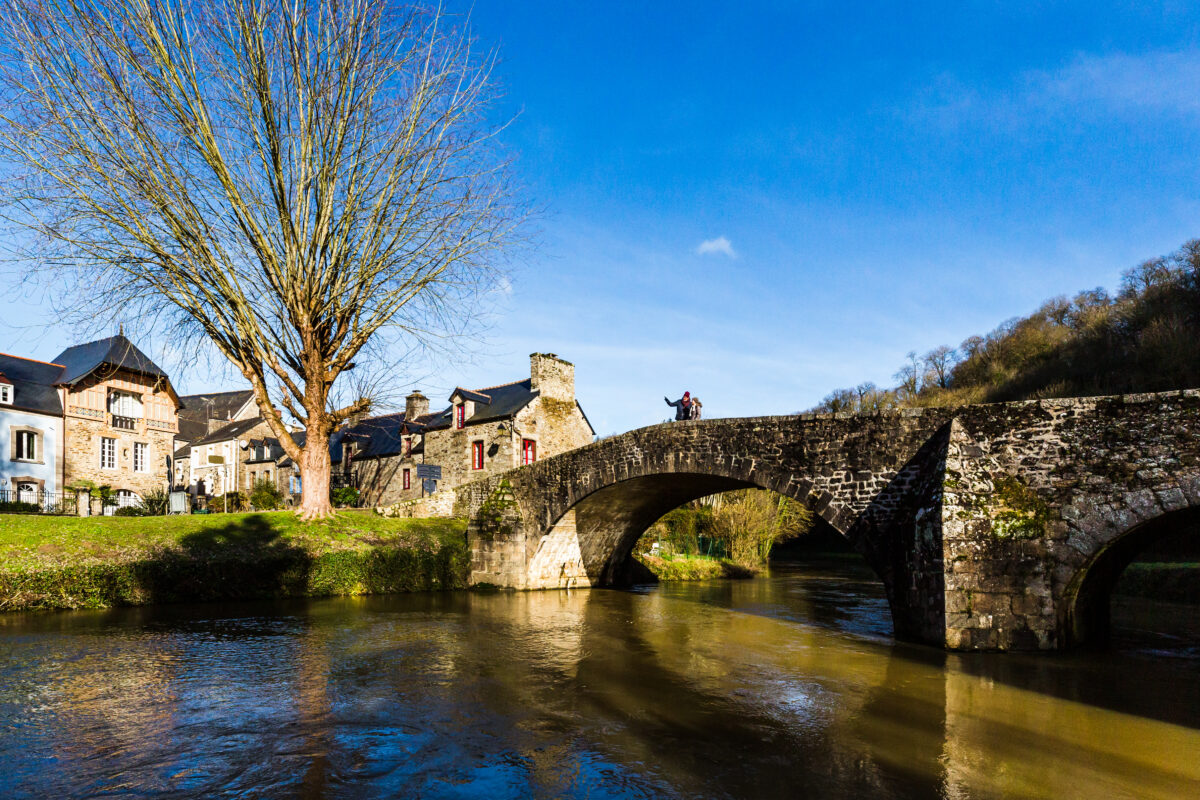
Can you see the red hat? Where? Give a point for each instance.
(687, 394)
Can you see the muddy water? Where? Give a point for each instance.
(784, 686)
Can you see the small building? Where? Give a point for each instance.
(31, 424)
(216, 462)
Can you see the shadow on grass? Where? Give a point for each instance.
(244, 559)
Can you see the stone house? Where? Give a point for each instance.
(31, 424)
(120, 418)
(217, 462)
(203, 414)
(482, 432)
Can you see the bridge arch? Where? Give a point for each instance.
(1087, 598)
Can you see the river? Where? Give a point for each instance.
(788, 685)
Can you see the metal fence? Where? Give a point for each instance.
(32, 501)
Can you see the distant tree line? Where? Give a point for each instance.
(1146, 338)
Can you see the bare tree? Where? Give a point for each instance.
(909, 376)
(301, 183)
(939, 361)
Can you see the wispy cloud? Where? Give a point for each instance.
(1112, 85)
(719, 246)
(1167, 81)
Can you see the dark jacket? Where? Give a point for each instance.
(682, 411)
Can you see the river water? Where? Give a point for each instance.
(783, 686)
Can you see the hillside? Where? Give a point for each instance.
(1145, 338)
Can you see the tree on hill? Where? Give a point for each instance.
(303, 184)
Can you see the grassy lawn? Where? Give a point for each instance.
(36, 541)
(99, 562)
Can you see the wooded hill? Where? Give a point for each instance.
(1146, 338)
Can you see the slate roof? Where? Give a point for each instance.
(384, 435)
(82, 360)
(233, 430)
(33, 384)
(215, 405)
(500, 402)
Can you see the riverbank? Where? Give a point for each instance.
(694, 568)
(102, 562)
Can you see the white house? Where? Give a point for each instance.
(31, 420)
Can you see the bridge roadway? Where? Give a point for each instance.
(993, 527)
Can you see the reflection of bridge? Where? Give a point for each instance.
(992, 526)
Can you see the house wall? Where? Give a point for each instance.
(46, 468)
(87, 421)
(231, 473)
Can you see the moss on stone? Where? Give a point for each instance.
(499, 514)
(1017, 511)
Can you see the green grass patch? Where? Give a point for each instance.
(694, 568)
(1173, 581)
(99, 562)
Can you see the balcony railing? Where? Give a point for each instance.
(124, 423)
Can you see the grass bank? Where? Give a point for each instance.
(1173, 581)
(694, 568)
(101, 562)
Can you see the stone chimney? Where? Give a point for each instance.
(552, 376)
(415, 405)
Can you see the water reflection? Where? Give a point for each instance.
(783, 686)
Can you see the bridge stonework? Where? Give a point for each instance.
(992, 527)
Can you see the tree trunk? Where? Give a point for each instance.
(315, 469)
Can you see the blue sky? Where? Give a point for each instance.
(870, 179)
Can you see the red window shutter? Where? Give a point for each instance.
(460, 419)
(407, 480)
(477, 455)
(528, 451)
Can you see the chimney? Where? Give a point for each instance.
(415, 405)
(552, 376)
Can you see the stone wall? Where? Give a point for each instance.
(552, 376)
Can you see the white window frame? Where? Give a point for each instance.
(34, 438)
(141, 453)
(112, 452)
(125, 404)
(6, 394)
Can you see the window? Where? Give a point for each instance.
(108, 453)
(408, 445)
(125, 404)
(476, 455)
(25, 446)
(6, 393)
(528, 451)
(460, 415)
(407, 480)
(266, 474)
(139, 456)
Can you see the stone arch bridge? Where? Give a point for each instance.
(1000, 526)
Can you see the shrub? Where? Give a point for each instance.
(18, 507)
(132, 511)
(344, 496)
(265, 495)
(155, 502)
(230, 501)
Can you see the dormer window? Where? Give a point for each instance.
(460, 416)
(6, 394)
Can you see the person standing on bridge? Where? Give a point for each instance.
(696, 406)
(682, 406)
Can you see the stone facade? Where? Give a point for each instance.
(88, 426)
(992, 527)
(539, 416)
